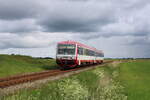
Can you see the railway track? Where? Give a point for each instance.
(18, 79)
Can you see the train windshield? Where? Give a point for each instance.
(66, 49)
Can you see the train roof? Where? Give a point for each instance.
(80, 44)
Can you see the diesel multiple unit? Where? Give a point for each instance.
(72, 54)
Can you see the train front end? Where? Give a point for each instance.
(66, 55)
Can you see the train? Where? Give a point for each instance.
(70, 54)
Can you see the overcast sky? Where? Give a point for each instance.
(121, 28)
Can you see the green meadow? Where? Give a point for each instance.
(121, 80)
(135, 76)
(17, 64)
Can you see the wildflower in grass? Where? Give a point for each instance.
(72, 90)
(115, 64)
(112, 91)
(99, 73)
(22, 96)
(115, 74)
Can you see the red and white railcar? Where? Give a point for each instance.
(72, 54)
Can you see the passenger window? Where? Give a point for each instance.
(80, 51)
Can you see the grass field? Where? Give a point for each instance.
(16, 64)
(97, 84)
(117, 81)
(135, 76)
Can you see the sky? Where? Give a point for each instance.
(121, 28)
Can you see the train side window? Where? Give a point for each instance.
(94, 53)
(100, 55)
(80, 51)
(97, 54)
(84, 51)
(90, 53)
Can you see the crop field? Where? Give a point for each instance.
(121, 80)
(16, 64)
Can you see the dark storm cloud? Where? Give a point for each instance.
(18, 16)
(18, 26)
(18, 9)
(56, 15)
(76, 16)
(105, 18)
(73, 25)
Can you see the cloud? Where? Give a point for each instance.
(106, 18)
(138, 40)
(16, 9)
(31, 40)
(55, 15)
(18, 26)
(118, 46)
(120, 28)
(76, 16)
(134, 23)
